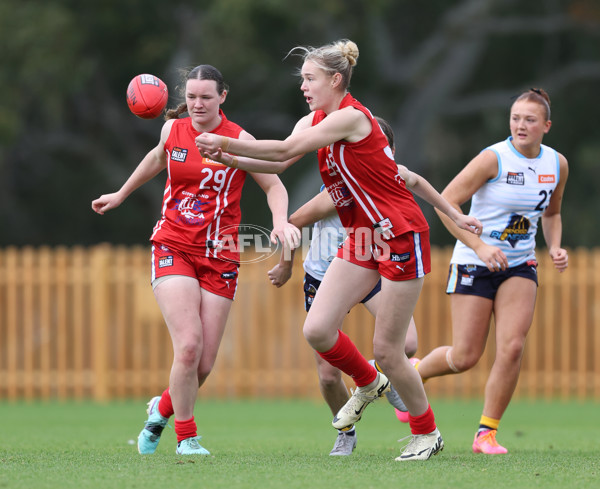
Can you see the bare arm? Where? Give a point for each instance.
(319, 207)
(252, 165)
(552, 221)
(277, 198)
(472, 177)
(344, 124)
(426, 191)
(150, 166)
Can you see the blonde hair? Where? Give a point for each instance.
(337, 57)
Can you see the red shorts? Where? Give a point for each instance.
(217, 276)
(404, 257)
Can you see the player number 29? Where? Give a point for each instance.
(218, 178)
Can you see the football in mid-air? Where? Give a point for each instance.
(147, 96)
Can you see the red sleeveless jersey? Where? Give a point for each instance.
(201, 203)
(363, 181)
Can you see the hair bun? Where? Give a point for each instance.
(349, 50)
(542, 93)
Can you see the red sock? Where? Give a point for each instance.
(165, 406)
(422, 424)
(345, 356)
(185, 429)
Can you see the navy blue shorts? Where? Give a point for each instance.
(311, 284)
(478, 280)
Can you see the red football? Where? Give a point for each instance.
(147, 96)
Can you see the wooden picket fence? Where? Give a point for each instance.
(79, 323)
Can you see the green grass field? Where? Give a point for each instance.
(275, 444)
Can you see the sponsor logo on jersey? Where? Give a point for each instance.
(179, 154)
(516, 230)
(165, 261)
(214, 244)
(515, 178)
(384, 227)
(546, 178)
(208, 161)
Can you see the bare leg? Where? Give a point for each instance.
(513, 314)
(213, 313)
(180, 300)
(332, 385)
(410, 342)
(470, 327)
(393, 318)
(343, 286)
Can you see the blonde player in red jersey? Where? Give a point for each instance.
(194, 277)
(387, 235)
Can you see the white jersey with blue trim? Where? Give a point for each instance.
(510, 205)
(328, 235)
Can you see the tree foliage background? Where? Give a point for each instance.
(443, 72)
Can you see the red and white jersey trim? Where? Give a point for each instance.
(360, 195)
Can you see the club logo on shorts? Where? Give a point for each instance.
(466, 280)
(309, 293)
(179, 154)
(165, 261)
(515, 178)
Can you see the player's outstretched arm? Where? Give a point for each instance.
(319, 207)
(426, 191)
(150, 166)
